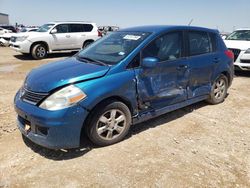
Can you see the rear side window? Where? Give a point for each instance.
(213, 41)
(166, 47)
(76, 28)
(199, 43)
(88, 27)
(62, 28)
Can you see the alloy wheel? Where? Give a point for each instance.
(111, 124)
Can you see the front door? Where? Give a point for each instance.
(166, 83)
(62, 40)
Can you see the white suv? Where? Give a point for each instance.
(239, 43)
(54, 37)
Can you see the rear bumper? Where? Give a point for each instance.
(51, 129)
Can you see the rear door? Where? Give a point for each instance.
(166, 83)
(203, 59)
(78, 35)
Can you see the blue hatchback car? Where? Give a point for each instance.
(125, 78)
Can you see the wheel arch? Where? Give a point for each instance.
(112, 98)
(39, 42)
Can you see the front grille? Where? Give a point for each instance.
(245, 61)
(13, 39)
(6, 38)
(32, 97)
(236, 53)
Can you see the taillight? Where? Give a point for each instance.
(229, 54)
(99, 34)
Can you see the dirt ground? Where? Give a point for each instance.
(198, 146)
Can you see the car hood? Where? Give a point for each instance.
(238, 44)
(57, 74)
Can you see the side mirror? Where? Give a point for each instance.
(149, 62)
(53, 31)
(224, 37)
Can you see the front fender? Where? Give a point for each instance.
(122, 85)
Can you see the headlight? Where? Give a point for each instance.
(21, 39)
(247, 51)
(63, 98)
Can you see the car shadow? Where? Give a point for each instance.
(86, 145)
(242, 73)
(50, 56)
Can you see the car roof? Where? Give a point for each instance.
(243, 29)
(161, 28)
(67, 22)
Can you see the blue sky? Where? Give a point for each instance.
(222, 14)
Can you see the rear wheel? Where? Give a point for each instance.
(39, 51)
(86, 44)
(219, 90)
(109, 123)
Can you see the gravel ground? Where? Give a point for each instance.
(198, 146)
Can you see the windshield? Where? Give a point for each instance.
(45, 27)
(114, 47)
(239, 35)
(23, 30)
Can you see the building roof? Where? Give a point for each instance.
(3, 14)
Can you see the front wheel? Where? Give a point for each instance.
(108, 123)
(219, 90)
(39, 51)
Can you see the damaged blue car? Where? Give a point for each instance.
(125, 78)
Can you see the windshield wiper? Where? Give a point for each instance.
(90, 60)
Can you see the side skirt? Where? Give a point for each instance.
(157, 112)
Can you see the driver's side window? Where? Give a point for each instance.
(167, 47)
(62, 28)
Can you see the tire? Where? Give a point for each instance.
(39, 51)
(86, 44)
(219, 90)
(108, 123)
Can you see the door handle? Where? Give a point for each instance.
(67, 36)
(216, 60)
(182, 67)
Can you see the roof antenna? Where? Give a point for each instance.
(190, 22)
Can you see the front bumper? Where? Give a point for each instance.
(4, 42)
(51, 129)
(242, 62)
(23, 47)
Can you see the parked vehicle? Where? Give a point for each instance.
(239, 43)
(9, 27)
(127, 77)
(5, 39)
(107, 29)
(55, 37)
(28, 29)
(2, 31)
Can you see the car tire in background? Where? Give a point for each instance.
(86, 44)
(39, 51)
(108, 123)
(219, 90)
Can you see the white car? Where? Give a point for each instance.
(239, 43)
(2, 31)
(55, 37)
(5, 39)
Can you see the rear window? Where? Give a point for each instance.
(199, 43)
(88, 27)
